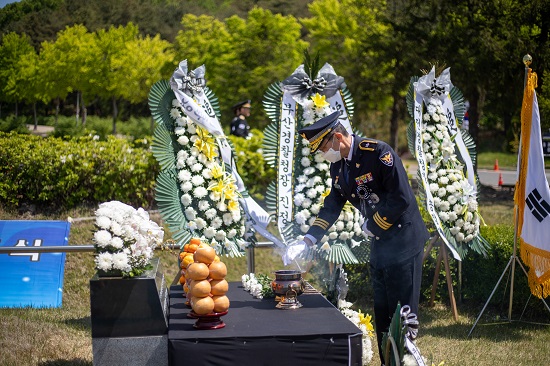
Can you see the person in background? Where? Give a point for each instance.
(239, 126)
(369, 174)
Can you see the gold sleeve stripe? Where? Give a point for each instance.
(380, 222)
(321, 223)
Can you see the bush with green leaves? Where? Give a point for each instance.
(61, 174)
(252, 168)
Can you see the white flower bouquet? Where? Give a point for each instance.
(125, 239)
(258, 286)
(363, 322)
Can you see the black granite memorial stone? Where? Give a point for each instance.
(129, 307)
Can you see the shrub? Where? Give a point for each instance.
(253, 169)
(63, 174)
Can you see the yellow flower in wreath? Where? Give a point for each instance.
(206, 143)
(320, 101)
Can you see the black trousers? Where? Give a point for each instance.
(396, 283)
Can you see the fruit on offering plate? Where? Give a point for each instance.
(203, 278)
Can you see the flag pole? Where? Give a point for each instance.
(527, 59)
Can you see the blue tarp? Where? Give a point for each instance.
(32, 279)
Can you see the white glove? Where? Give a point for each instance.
(365, 230)
(293, 250)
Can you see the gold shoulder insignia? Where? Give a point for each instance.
(367, 145)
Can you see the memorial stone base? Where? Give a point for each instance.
(130, 319)
(135, 351)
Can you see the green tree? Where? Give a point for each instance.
(142, 62)
(13, 50)
(83, 63)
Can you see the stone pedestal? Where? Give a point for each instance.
(130, 319)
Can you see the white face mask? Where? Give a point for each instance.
(332, 155)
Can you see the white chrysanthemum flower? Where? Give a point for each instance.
(211, 213)
(104, 261)
(299, 199)
(450, 188)
(197, 167)
(117, 243)
(102, 238)
(309, 171)
(174, 113)
(452, 199)
(332, 235)
(190, 213)
(344, 235)
(319, 159)
(231, 234)
(434, 187)
(311, 193)
(339, 225)
(221, 206)
(184, 175)
(315, 208)
(179, 131)
(454, 230)
(220, 235)
(197, 180)
(441, 192)
(202, 159)
(431, 109)
(305, 150)
(215, 196)
(426, 117)
(200, 192)
(300, 218)
(203, 205)
(304, 228)
(181, 121)
(116, 228)
(103, 222)
(472, 205)
(192, 128)
(444, 216)
(175, 103)
(209, 232)
(459, 237)
(207, 173)
(306, 203)
(444, 206)
(192, 225)
(186, 199)
(120, 261)
(227, 218)
(201, 223)
(186, 187)
(426, 137)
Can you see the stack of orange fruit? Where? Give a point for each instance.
(203, 278)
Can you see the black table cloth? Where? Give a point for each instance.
(257, 333)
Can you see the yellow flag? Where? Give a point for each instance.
(533, 195)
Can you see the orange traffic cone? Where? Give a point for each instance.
(500, 182)
(496, 165)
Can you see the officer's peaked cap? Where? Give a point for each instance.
(317, 132)
(243, 104)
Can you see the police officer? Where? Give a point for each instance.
(239, 126)
(370, 175)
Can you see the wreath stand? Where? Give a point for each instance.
(442, 256)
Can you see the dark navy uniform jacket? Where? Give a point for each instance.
(239, 126)
(378, 186)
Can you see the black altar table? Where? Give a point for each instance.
(257, 333)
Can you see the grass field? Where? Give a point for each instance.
(49, 337)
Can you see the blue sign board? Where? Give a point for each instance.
(32, 279)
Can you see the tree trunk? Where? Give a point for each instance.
(84, 110)
(115, 115)
(56, 110)
(77, 106)
(476, 106)
(16, 109)
(34, 116)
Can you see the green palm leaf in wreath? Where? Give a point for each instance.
(167, 195)
(163, 147)
(341, 253)
(160, 102)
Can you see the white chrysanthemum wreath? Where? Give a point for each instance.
(314, 184)
(454, 197)
(209, 194)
